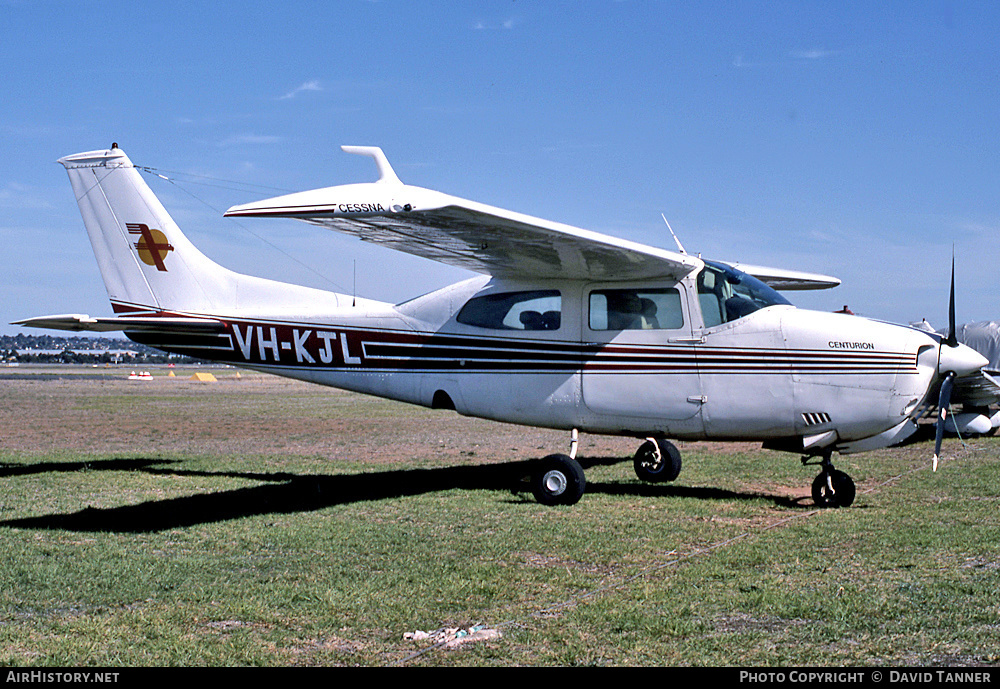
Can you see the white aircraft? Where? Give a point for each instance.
(564, 328)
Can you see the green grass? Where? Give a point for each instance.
(221, 558)
(183, 562)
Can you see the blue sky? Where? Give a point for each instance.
(854, 139)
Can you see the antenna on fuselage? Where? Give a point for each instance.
(676, 241)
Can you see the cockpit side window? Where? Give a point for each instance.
(531, 310)
(636, 309)
(726, 294)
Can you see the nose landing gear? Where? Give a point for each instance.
(832, 488)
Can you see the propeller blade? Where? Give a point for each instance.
(952, 339)
(944, 399)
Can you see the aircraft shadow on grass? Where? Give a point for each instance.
(286, 493)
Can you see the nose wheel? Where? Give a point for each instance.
(832, 488)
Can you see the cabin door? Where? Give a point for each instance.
(641, 359)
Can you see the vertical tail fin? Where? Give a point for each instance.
(144, 258)
(149, 265)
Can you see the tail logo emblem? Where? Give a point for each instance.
(152, 245)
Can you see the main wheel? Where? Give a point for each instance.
(839, 491)
(558, 480)
(657, 461)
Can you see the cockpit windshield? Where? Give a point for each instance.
(726, 294)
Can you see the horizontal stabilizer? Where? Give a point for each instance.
(148, 324)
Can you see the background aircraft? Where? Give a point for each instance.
(563, 328)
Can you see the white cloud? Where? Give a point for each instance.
(812, 54)
(505, 24)
(313, 85)
(20, 196)
(740, 61)
(239, 139)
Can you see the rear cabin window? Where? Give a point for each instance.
(636, 309)
(534, 310)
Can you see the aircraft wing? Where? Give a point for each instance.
(468, 234)
(788, 279)
(154, 324)
(486, 239)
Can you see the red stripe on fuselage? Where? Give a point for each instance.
(313, 346)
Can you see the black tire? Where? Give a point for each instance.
(657, 461)
(558, 480)
(842, 494)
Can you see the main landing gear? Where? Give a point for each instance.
(657, 460)
(558, 479)
(832, 488)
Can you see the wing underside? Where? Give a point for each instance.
(509, 247)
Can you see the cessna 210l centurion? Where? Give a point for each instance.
(564, 328)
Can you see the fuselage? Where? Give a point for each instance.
(716, 355)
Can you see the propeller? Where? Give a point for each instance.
(944, 398)
(952, 339)
(956, 358)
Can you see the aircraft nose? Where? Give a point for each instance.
(960, 360)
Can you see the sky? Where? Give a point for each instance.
(852, 139)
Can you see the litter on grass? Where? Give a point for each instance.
(453, 637)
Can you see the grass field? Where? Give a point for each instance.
(259, 521)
